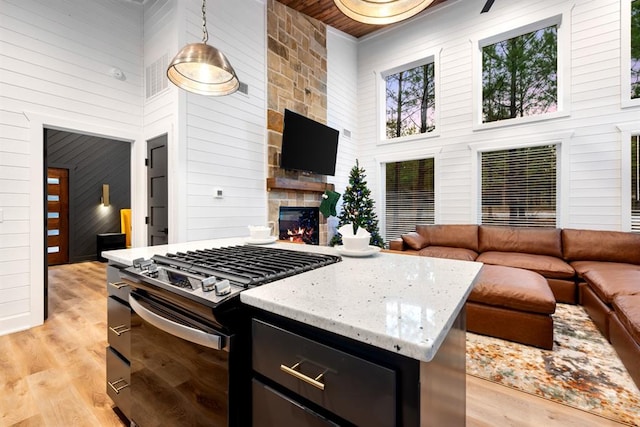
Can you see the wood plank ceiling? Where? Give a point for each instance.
(327, 12)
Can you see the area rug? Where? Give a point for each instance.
(582, 371)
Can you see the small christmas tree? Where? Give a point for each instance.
(357, 208)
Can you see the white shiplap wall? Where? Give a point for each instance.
(225, 136)
(54, 72)
(342, 112)
(591, 173)
(55, 63)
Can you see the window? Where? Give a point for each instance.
(635, 183)
(519, 186)
(410, 101)
(410, 196)
(635, 49)
(520, 76)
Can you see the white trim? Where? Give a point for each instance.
(403, 157)
(381, 96)
(625, 56)
(560, 139)
(37, 124)
(523, 25)
(627, 130)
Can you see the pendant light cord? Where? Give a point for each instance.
(205, 33)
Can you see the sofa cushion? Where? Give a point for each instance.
(596, 245)
(415, 241)
(450, 253)
(513, 288)
(581, 267)
(452, 235)
(546, 265)
(528, 240)
(607, 284)
(627, 307)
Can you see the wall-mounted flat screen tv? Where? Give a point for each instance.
(308, 145)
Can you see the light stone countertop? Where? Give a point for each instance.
(401, 303)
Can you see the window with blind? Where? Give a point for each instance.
(410, 196)
(635, 183)
(519, 187)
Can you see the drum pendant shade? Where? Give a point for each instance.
(203, 69)
(381, 12)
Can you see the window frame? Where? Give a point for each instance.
(627, 130)
(560, 140)
(518, 27)
(381, 162)
(625, 59)
(381, 95)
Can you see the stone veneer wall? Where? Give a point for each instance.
(297, 80)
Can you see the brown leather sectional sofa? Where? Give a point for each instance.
(598, 269)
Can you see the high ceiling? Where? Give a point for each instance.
(327, 12)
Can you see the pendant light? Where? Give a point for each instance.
(203, 69)
(380, 12)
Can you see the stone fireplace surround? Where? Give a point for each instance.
(297, 80)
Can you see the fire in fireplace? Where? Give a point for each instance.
(299, 225)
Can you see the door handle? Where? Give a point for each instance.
(187, 333)
(165, 230)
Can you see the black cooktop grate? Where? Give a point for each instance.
(246, 265)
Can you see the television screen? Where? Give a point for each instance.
(308, 145)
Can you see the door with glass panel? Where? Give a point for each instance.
(57, 216)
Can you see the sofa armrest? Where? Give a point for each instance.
(397, 245)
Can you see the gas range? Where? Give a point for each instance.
(213, 276)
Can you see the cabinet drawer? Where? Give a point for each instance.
(355, 389)
(115, 286)
(118, 380)
(272, 409)
(119, 326)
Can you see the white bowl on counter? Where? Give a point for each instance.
(356, 243)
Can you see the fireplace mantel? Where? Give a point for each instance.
(294, 184)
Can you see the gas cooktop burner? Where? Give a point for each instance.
(218, 273)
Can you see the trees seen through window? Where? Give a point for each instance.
(635, 49)
(519, 76)
(410, 101)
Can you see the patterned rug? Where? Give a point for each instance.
(582, 371)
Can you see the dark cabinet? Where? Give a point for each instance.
(118, 335)
(108, 242)
(351, 388)
(273, 409)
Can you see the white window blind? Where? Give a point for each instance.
(409, 196)
(519, 187)
(635, 183)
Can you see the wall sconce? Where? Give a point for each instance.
(105, 195)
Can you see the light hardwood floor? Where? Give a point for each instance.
(54, 375)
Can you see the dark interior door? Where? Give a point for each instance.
(57, 216)
(157, 216)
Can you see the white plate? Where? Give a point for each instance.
(365, 252)
(264, 241)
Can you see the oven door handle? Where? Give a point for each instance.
(176, 329)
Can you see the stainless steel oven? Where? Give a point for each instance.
(179, 366)
(190, 352)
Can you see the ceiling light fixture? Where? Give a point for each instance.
(203, 69)
(381, 12)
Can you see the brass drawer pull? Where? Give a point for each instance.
(313, 381)
(118, 285)
(117, 388)
(119, 330)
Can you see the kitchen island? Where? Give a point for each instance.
(400, 313)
